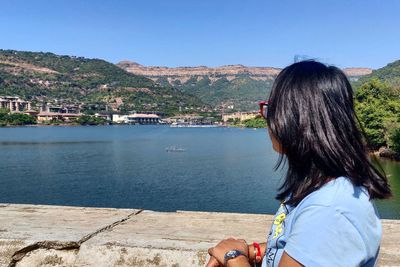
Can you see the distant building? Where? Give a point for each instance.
(62, 113)
(103, 116)
(43, 117)
(14, 104)
(242, 116)
(70, 108)
(137, 118)
(117, 118)
(190, 120)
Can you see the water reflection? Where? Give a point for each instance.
(390, 209)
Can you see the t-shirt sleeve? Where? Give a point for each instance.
(321, 236)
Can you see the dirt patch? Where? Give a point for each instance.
(18, 67)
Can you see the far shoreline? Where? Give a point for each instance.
(377, 153)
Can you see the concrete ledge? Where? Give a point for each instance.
(36, 235)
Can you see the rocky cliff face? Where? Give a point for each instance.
(232, 87)
(183, 74)
(352, 72)
(229, 71)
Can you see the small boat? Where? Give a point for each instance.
(174, 149)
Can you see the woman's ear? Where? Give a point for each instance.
(275, 143)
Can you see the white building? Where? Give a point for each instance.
(136, 118)
(116, 118)
(14, 104)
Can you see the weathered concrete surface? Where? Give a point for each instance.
(43, 232)
(70, 236)
(170, 239)
(390, 246)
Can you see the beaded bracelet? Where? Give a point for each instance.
(257, 253)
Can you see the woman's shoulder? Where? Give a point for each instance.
(343, 208)
(345, 199)
(340, 194)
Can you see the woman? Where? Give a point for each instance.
(326, 217)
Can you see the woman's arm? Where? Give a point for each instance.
(217, 253)
(287, 261)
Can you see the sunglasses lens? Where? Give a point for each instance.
(263, 108)
(264, 111)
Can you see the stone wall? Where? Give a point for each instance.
(36, 235)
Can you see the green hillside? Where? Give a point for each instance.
(390, 74)
(377, 102)
(46, 77)
(243, 92)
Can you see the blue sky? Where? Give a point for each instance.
(346, 33)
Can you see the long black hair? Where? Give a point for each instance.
(311, 114)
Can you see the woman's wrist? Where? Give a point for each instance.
(240, 261)
(256, 253)
(250, 253)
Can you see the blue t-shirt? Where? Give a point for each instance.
(336, 225)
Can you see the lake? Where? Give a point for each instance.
(221, 169)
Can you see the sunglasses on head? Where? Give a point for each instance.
(263, 108)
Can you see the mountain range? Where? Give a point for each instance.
(227, 88)
(100, 85)
(95, 83)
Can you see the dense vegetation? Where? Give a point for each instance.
(13, 119)
(257, 122)
(46, 77)
(90, 120)
(390, 75)
(378, 107)
(243, 92)
(394, 141)
(377, 102)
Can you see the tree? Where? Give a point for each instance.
(90, 120)
(395, 141)
(7, 118)
(257, 122)
(377, 107)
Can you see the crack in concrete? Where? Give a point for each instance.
(58, 245)
(110, 226)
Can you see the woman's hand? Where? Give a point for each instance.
(213, 262)
(218, 252)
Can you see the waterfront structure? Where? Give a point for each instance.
(189, 120)
(118, 118)
(103, 116)
(137, 118)
(14, 104)
(242, 116)
(43, 117)
(60, 113)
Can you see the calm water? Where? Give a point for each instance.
(222, 169)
